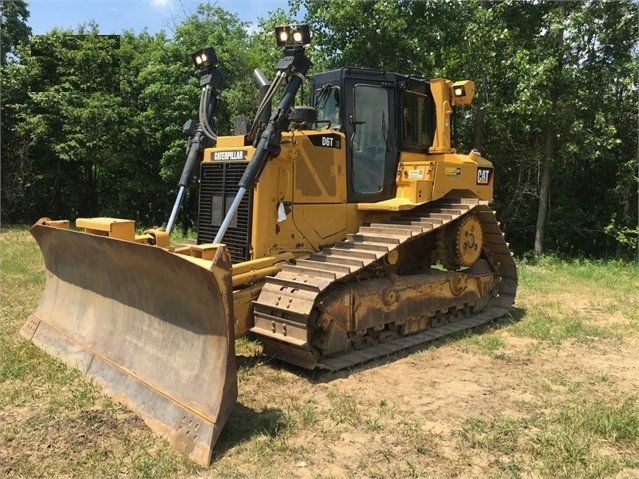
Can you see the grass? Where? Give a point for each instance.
(549, 391)
(571, 441)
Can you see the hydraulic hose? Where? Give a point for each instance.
(296, 64)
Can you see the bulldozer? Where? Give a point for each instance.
(336, 234)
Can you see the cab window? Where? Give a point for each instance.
(418, 122)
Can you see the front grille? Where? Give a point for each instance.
(218, 187)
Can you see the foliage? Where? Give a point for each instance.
(92, 123)
(14, 31)
(13, 27)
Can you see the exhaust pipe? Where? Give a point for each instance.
(263, 85)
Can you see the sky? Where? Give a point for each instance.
(114, 16)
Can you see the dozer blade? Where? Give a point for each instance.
(151, 327)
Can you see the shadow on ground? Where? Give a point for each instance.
(245, 423)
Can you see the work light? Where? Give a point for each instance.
(463, 92)
(293, 35)
(205, 58)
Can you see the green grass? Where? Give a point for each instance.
(582, 300)
(569, 442)
(489, 343)
(550, 391)
(557, 326)
(582, 428)
(498, 434)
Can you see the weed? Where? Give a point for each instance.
(247, 346)
(489, 344)
(307, 414)
(160, 463)
(373, 424)
(344, 410)
(534, 348)
(497, 434)
(618, 423)
(510, 468)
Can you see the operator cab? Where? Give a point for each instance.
(380, 114)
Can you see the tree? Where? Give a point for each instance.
(13, 27)
(14, 34)
(91, 128)
(564, 109)
(169, 89)
(74, 120)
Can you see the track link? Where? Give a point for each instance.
(283, 309)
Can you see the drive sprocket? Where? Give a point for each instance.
(462, 242)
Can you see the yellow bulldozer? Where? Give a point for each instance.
(336, 234)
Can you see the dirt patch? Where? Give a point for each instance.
(404, 417)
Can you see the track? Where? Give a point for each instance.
(284, 311)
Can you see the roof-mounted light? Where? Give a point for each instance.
(463, 92)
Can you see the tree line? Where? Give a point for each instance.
(92, 124)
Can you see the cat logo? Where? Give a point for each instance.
(484, 176)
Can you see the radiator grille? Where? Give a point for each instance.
(218, 187)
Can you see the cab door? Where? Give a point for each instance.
(371, 140)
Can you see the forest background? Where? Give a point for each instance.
(92, 124)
